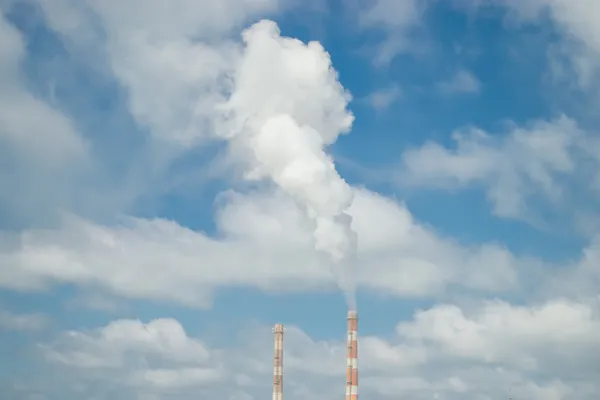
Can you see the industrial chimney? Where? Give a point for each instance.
(352, 358)
(278, 330)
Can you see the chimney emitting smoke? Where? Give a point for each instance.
(352, 358)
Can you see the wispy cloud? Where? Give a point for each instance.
(397, 19)
(382, 99)
(22, 322)
(463, 81)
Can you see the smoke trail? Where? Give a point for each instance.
(286, 107)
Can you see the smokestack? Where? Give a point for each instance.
(352, 358)
(278, 330)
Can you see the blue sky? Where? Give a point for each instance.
(141, 259)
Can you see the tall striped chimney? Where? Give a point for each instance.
(352, 358)
(278, 330)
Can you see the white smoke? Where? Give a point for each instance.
(286, 107)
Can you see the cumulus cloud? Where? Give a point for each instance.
(150, 359)
(501, 333)
(442, 352)
(524, 164)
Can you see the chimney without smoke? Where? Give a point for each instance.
(278, 330)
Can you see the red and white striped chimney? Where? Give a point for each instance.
(352, 358)
(278, 330)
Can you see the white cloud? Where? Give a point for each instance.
(397, 18)
(261, 242)
(526, 162)
(578, 20)
(462, 82)
(150, 358)
(163, 338)
(576, 58)
(579, 279)
(543, 351)
(391, 13)
(39, 145)
(44, 134)
(174, 61)
(501, 333)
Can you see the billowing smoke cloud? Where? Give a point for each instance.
(286, 107)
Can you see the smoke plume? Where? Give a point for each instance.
(280, 119)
